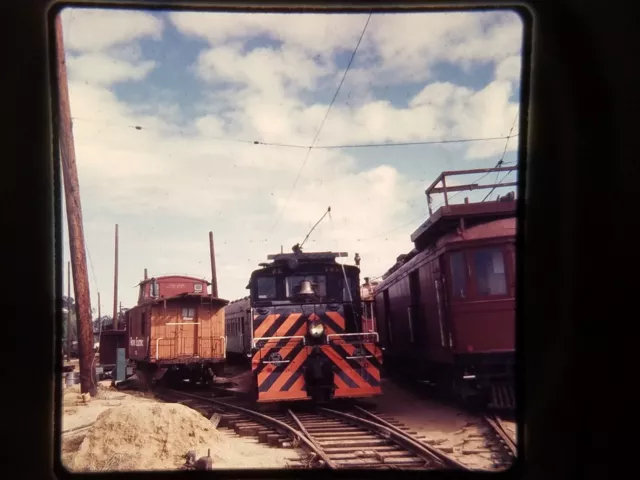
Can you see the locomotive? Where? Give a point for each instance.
(446, 310)
(303, 326)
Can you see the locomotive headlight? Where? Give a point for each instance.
(316, 329)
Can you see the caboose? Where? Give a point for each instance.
(446, 310)
(176, 331)
(306, 332)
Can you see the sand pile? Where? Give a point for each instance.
(143, 436)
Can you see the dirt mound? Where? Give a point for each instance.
(144, 437)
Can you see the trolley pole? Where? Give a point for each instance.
(76, 233)
(115, 285)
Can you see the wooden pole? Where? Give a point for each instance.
(214, 278)
(68, 311)
(99, 314)
(76, 233)
(115, 284)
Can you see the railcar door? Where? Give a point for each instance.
(416, 312)
(187, 337)
(450, 287)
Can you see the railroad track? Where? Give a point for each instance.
(331, 438)
(504, 437)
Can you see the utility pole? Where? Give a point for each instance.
(99, 314)
(214, 277)
(68, 311)
(76, 234)
(115, 286)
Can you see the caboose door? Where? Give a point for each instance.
(443, 284)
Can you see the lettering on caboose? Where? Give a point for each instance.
(136, 342)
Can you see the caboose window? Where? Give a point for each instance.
(266, 287)
(458, 275)
(489, 272)
(188, 313)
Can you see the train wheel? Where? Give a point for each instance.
(144, 374)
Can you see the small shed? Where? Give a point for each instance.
(110, 341)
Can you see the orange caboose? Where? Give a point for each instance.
(177, 331)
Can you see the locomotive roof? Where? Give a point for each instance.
(306, 257)
(447, 218)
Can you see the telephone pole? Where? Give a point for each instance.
(76, 233)
(69, 311)
(214, 276)
(115, 285)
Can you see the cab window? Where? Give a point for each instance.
(266, 288)
(489, 272)
(318, 283)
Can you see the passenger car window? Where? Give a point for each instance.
(458, 275)
(489, 271)
(266, 288)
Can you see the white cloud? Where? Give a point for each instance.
(90, 30)
(98, 68)
(315, 34)
(179, 175)
(509, 68)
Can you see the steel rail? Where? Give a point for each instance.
(445, 459)
(330, 463)
(498, 428)
(277, 424)
(410, 444)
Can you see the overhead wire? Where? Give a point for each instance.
(315, 138)
(335, 146)
(504, 152)
(423, 214)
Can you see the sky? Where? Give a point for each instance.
(190, 122)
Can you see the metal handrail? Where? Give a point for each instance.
(172, 345)
(157, 347)
(354, 335)
(258, 339)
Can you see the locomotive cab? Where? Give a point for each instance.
(307, 339)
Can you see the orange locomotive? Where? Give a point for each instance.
(307, 339)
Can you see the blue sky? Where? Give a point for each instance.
(203, 86)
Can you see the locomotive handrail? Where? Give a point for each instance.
(354, 335)
(157, 347)
(257, 339)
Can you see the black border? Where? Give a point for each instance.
(575, 211)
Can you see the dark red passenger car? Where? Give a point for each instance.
(446, 311)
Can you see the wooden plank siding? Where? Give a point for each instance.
(169, 335)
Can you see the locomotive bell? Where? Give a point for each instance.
(306, 288)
